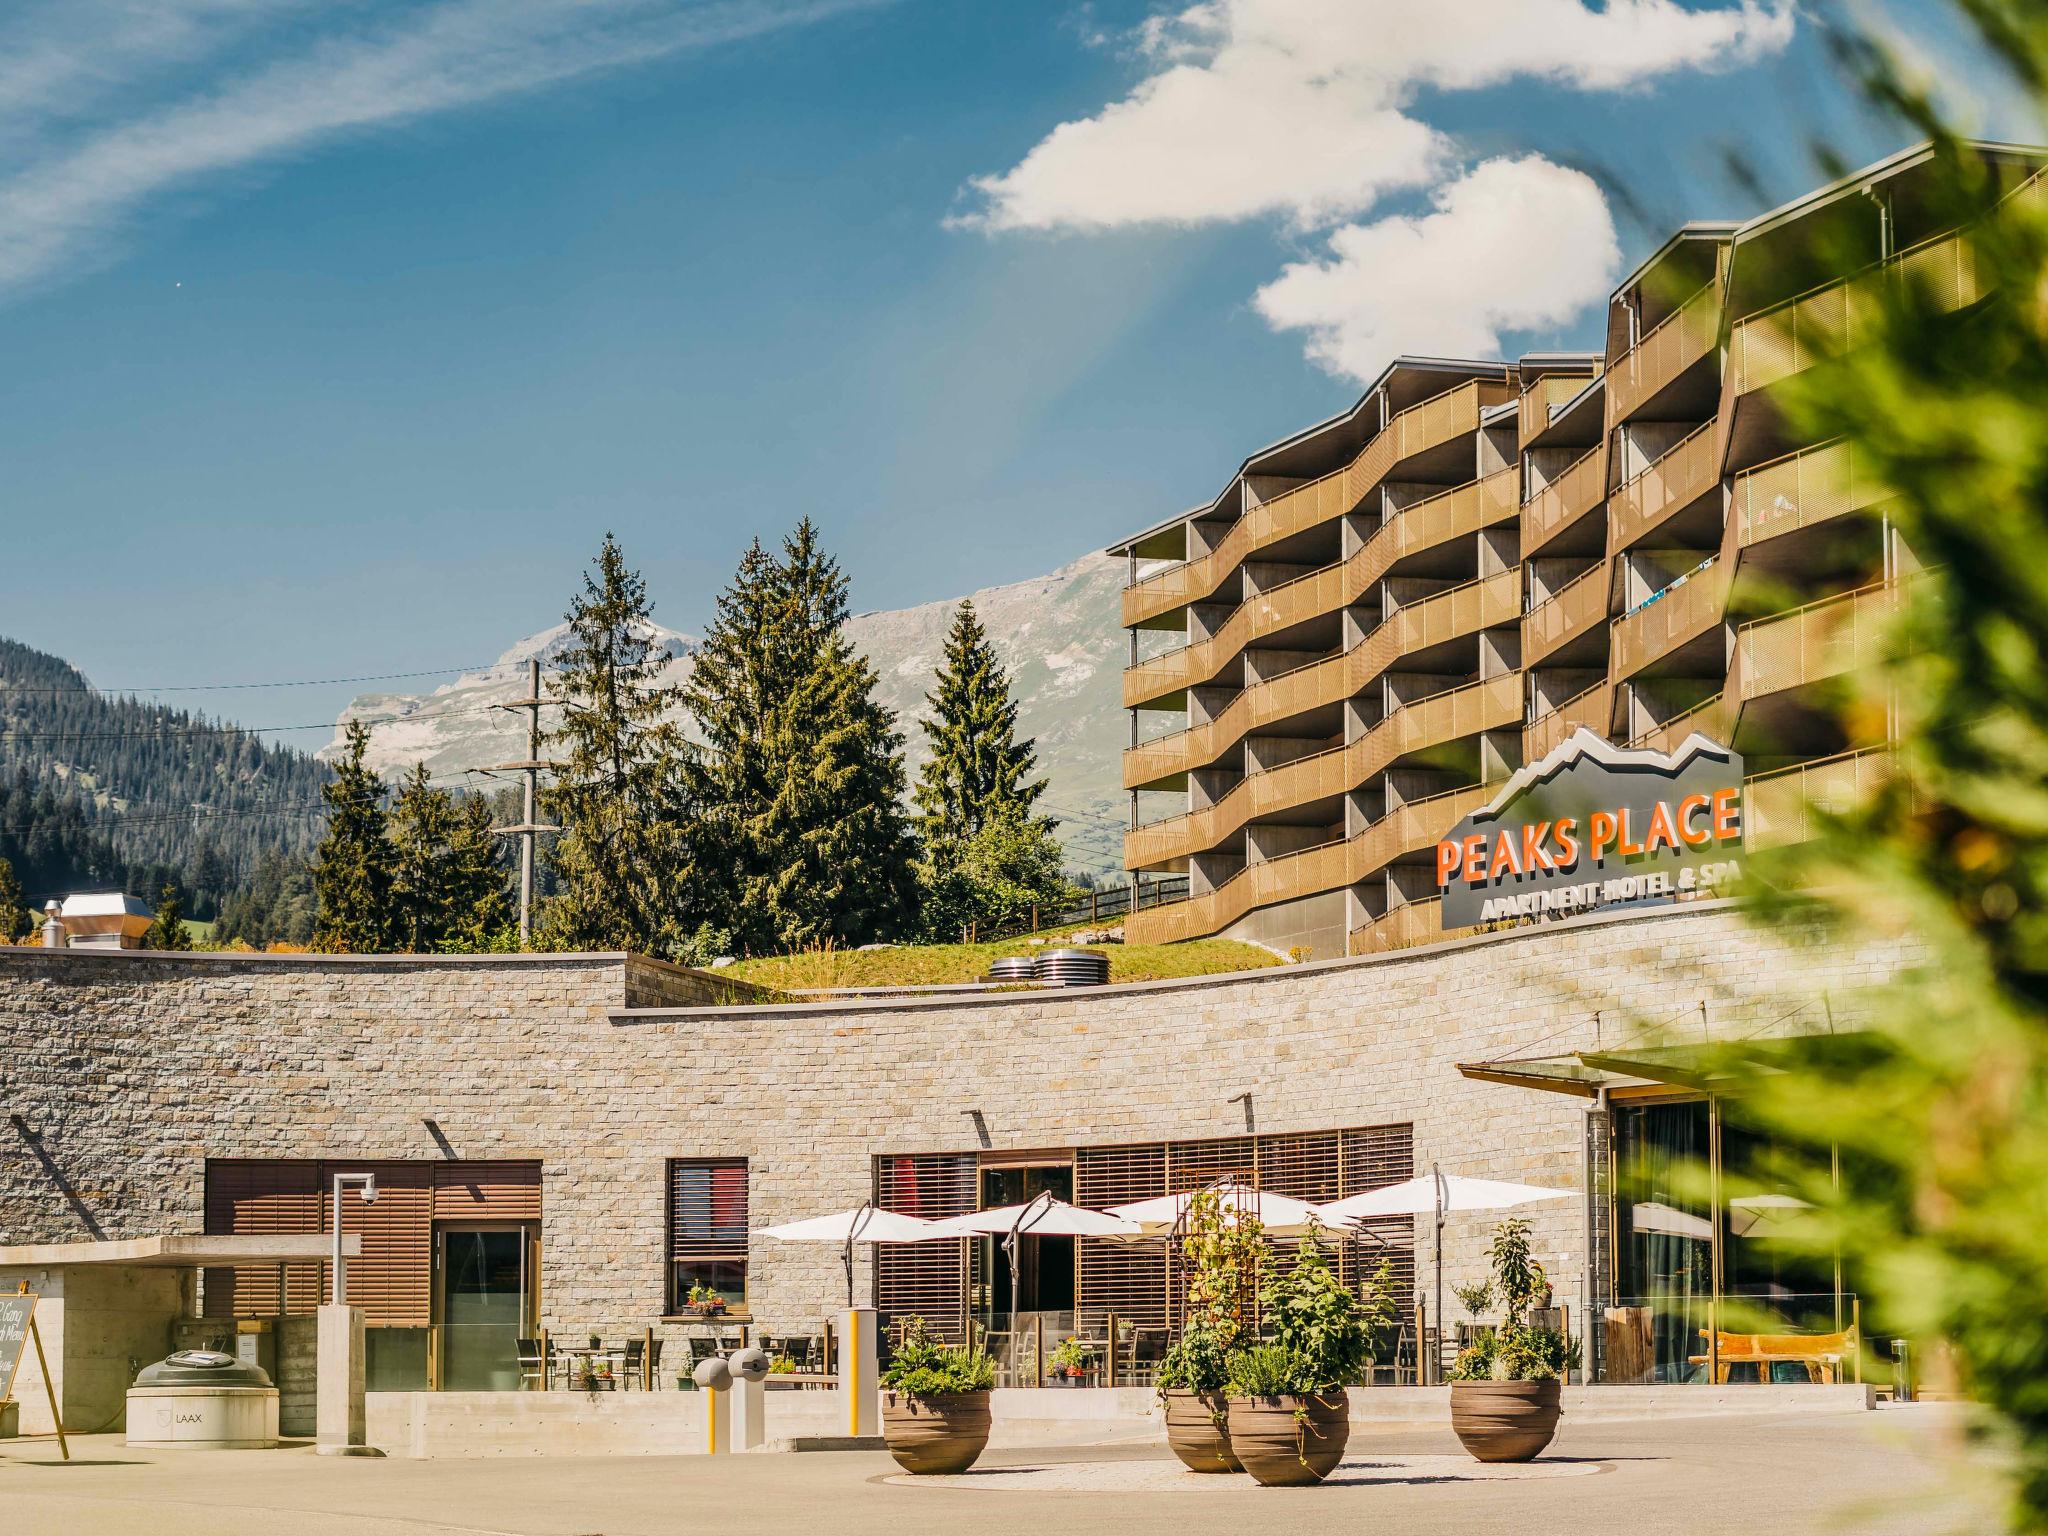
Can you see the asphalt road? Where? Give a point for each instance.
(1894, 1472)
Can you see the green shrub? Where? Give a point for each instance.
(1309, 1314)
(924, 1367)
(1272, 1370)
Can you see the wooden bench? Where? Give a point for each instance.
(1821, 1353)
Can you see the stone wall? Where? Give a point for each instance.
(125, 1072)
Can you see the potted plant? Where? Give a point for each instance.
(1290, 1415)
(1223, 1252)
(704, 1301)
(935, 1402)
(1505, 1384)
(1069, 1363)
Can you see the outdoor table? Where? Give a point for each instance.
(615, 1353)
(803, 1380)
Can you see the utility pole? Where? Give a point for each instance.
(530, 769)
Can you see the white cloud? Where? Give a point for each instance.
(1301, 106)
(1515, 245)
(190, 89)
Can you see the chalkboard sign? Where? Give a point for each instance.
(15, 1312)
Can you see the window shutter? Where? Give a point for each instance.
(927, 1280)
(1127, 1278)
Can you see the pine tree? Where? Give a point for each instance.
(421, 821)
(167, 925)
(352, 867)
(983, 859)
(801, 773)
(16, 921)
(622, 864)
(478, 908)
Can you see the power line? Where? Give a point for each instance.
(170, 732)
(92, 689)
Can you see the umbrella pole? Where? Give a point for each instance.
(853, 1229)
(1436, 1191)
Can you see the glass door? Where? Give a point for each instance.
(484, 1310)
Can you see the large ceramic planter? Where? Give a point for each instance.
(1196, 1431)
(1289, 1441)
(1504, 1420)
(935, 1434)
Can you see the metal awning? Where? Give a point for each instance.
(164, 1252)
(1623, 1068)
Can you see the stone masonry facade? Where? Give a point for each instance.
(121, 1073)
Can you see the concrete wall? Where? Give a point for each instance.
(127, 1072)
(99, 1325)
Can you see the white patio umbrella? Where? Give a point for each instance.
(1748, 1214)
(1045, 1215)
(1281, 1215)
(1655, 1216)
(867, 1224)
(1432, 1194)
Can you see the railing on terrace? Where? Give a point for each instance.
(1481, 604)
(1424, 425)
(1466, 710)
(1532, 411)
(1802, 489)
(1711, 717)
(1577, 606)
(1665, 351)
(1588, 708)
(1418, 922)
(1678, 477)
(1309, 871)
(1821, 639)
(1576, 491)
(1456, 513)
(1687, 608)
(1786, 806)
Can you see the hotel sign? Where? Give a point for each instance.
(1591, 825)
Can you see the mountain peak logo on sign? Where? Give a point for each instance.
(1590, 824)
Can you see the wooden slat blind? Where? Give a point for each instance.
(393, 1280)
(1127, 1278)
(707, 1209)
(927, 1280)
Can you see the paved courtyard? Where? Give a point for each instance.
(1882, 1472)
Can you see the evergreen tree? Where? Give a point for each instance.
(478, 909)
(977, 763)
(421, 822)
(622, 863)
(801, 774)
(16, 921)
(352, 867)
(167, 925)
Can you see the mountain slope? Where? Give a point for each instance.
(1058, 634)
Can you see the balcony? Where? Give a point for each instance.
(1532, 411)
(1425, 425)
(1800, 490)
(1820, 640)
(1789, 806)
(1838, 317)
(1418, 922)
(1416, 825)
(1574, 609)
(1681, 612)
(1689, 333)
(1588, 709)
(1484, 604)
(1674, 482)
(1713, 718)
(1577, 491)
(1494, 704)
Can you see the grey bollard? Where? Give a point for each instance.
(714, 1376)
(749, 1399)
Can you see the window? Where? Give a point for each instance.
(707, 1229)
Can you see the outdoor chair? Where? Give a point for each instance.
(629, 1367)
(654, 1364)
(534, 1361)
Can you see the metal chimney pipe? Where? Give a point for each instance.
(53, 930)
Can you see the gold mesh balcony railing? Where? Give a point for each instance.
(1686, 609)
(1576, 491)
(1678, 478)
(1483, 604)
(1418, 922)
(1823, 639)
(1494, 704)
(1332, 866)
(1840, 316)
(1587, 709)
(1574, 608)
(1784, 807)
(1425, 425)
(1710, 717)
(1802, 489)
(1666, 350)
(1532, 411)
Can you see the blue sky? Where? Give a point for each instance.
(337, 334)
